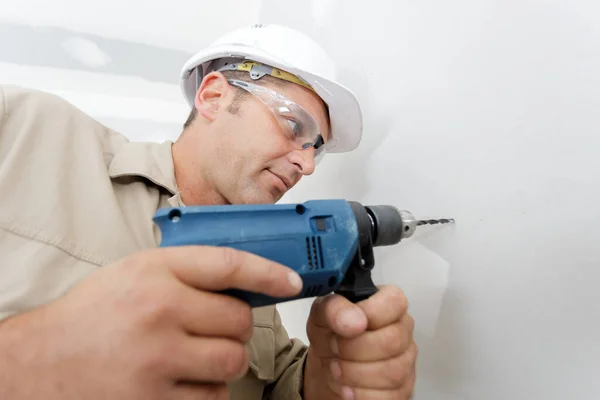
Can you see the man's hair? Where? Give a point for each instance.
(240, 93)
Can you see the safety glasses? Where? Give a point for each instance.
(298, 125)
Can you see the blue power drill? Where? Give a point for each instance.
(328, 242)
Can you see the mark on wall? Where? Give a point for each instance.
(86, 52)
(64, 49)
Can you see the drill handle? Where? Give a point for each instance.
(357, 284)
(360, 292)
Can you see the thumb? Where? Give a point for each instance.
(339, 315)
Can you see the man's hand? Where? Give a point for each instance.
(148, 327)
(361, 351)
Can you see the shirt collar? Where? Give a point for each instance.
(153, 161)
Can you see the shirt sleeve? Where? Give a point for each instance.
(38, 262)
(3, 108)
(290, 357)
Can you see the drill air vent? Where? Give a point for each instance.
(314, 252)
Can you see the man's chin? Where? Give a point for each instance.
(260, 197)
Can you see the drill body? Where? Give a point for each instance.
(328, 242)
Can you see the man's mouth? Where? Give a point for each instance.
(288, 184)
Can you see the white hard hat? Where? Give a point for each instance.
(293, 52)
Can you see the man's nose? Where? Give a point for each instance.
(304, 159)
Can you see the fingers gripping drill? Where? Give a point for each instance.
(328, 242)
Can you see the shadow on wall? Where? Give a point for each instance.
(65, 49)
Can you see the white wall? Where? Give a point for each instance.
(484, 111)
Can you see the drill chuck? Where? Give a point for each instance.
(390, 225)
(382, 225)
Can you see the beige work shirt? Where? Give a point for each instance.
(76, 195)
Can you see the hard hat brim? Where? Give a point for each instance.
(344, 108)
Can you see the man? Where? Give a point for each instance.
(91, 308)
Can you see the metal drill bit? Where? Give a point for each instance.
(435, 221)
(408, 224)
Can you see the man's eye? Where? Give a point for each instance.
(294, 126)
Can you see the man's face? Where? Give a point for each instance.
(251, 159)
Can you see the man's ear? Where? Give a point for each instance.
(211, 95)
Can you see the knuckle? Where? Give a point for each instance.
(217, 392)
(153, 363)
(414, 353)
(410, 322)
(394, 341)
(234, 362)
(402, 368)
(153, 306)
(269, 275)
(141, 261)
(135, 268)
(144, 309)
(402, 337)
(145, 297)
(398, 297)
(231, 261)
(406, 391)
(243, 320)
(398, 373)
(410, 386)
